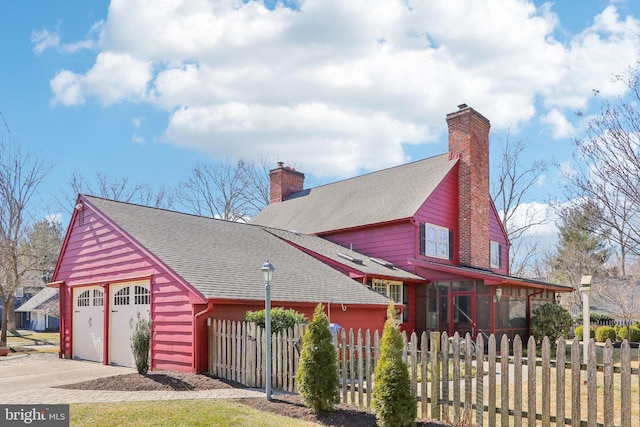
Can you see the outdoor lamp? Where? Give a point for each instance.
(267, 273)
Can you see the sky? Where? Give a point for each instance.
(143, 89)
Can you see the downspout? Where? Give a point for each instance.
(196, 330)
(529, 308)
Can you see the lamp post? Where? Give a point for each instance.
(585, 288)
(267, 272)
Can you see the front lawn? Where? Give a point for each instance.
(176, 413)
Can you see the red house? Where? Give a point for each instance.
(121, 260)
(434, 218)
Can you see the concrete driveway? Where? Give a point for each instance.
(30, 379)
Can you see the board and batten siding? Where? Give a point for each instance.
(97, 252)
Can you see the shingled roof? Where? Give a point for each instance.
(377, 197)
(222, 259)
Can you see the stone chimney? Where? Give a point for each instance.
(469, 142)
(283, 181)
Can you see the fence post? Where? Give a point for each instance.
(445, 375)
(625, 384)
(479, 356)
(560, 380)
(531, 382)
(504, 380)
(492, 379)
(517, 382)
(435, 375)
(608, 383)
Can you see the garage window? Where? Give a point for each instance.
(141, 295)
(121, 297)
(83, 299)
(98, 298)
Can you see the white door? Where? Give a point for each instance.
(88, 323)
(127, 301)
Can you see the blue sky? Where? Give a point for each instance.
(143, 89)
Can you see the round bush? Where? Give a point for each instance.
(552, 321)
(604, 333)
(580, 334)
(629, 333)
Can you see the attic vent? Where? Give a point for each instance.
(382, 262)
(350, 258)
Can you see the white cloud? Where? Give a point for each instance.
(43, 40)
(345, 83)
(560, 126)
(113, 78)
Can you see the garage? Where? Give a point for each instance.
(128, 301)
(88, 323)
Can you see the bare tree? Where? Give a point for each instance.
(20, 175)
(510, 188)
(619, 296)
(115, 188)
(607, 170)
(226, 190)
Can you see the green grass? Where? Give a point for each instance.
(22, 339)
(176, 413)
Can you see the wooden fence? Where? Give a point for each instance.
(458, 379)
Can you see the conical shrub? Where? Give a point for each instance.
(317, 376)
(393, 401)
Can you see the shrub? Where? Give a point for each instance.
(603, 333)
(317, 376)
(550, 320)
(140, 341)
(281, 319)
(631, 333)
(393, 401)
(580, 333)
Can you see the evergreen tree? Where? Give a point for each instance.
(317, 376)
(393, 401)
(581, 250)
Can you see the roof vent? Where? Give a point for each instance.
(382, 262)
(350, 258)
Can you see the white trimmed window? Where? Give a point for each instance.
(391, 289)
(435, 241)
(496, 255)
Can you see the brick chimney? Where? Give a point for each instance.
(469, 141)
(283, 181)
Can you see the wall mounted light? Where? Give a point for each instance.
(497, 295)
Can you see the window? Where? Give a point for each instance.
(496, 255)
(121, 297)
(83, 299)
(141, 295)
(435, 241)
(98, 298)
(390, 289)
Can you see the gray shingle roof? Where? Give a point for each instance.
(37, 301)
(333, 252)
(386, 195)
(222, 259)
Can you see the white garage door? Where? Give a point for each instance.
(127, 301)
(88, 323)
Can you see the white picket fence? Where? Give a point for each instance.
(457, 379)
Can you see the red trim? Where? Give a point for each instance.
(359, 227)
(112, 281)
(490, 279)
(105, 319)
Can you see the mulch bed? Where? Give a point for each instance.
(288, 405)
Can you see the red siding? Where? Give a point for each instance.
(354, 317)
(497, 234)
(98, 252)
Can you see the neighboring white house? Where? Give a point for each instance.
(41, 310)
